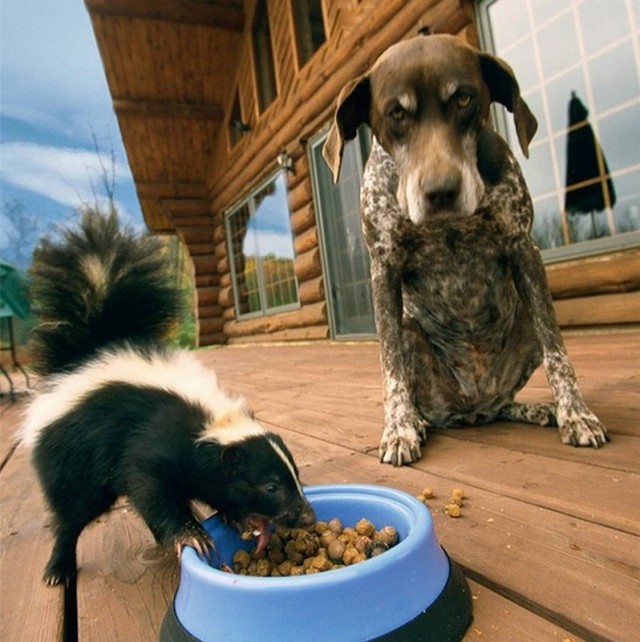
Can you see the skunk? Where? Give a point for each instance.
(122, 414)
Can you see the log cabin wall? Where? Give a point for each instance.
(180, 71)
(357, 31)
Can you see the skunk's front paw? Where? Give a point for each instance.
(192, 534)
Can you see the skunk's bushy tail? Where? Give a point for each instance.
(96, 285)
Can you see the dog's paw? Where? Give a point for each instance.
(578, 426)
(401, 440)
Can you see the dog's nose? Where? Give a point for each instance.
(443, 193)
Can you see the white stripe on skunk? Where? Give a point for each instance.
(178, 372)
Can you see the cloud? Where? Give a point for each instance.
(68, 176)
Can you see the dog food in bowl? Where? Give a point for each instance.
(323, 546)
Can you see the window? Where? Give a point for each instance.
(344, 253)
(578, 66)
(310, 34)
(263, 56)
(261, 252)
(236, 124)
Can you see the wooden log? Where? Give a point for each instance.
(308, 315)
(219, 233)
(225, 297)
(223, 264)
(308, 265)
(300, 195)
(202, 234)
(221, 249)
(216, 338)
(618, 272)
(207, 280)
(196, 249)
(204, 263)
(209, 311)
(303, 218)
(306, 241)
(312, 333)
(603, 309)
(208, 295)
(311, 291)
(210, 325)
(225, 279)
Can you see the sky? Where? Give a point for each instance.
(57, 125)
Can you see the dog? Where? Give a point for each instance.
(122, 413)
(462, 307)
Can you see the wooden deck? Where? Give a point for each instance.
(549, 537)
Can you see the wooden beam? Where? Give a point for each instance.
(220, 15)
(167, 109)
(169, 189)
(187, 207)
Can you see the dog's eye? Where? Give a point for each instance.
(397, 114)
(463, 99)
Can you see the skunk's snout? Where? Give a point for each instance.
(301, 515)
(307, 515)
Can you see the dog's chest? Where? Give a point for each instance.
(456, 275)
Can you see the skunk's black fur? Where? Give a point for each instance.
(121, 414)
(97, 286)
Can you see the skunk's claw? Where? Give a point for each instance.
(195, 536)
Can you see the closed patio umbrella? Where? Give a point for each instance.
(589, 188)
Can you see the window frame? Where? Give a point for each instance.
(249, 201)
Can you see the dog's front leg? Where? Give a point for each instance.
(578, 426)
(404, 428)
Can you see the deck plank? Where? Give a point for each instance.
(571, 571)
(549, 537)
(125, 582)
(28, 609)
(498, 619)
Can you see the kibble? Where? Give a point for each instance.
(324, 546)
(453, 510)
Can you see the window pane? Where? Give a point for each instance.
(309, 23)
(345, 254)
(263, 56)
(242, 242)
(275, 246)
(580, 53)
(603, 22)
(261, 250)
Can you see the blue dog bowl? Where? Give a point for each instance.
(411, 592)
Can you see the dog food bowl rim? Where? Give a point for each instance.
(420, 530)
(378, 595)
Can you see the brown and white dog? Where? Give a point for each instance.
(462, 306)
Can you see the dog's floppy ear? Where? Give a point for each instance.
(504, 89)
(352, 110)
